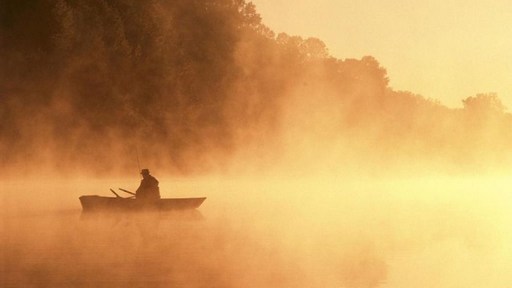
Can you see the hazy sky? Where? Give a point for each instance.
(441, 49)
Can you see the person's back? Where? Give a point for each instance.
(148, 189)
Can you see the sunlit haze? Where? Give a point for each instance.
(446, 50)
(350, 144)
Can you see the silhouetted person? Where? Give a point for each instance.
(148, 189)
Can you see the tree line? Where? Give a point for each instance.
(188, 84)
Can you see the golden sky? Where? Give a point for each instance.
(442, 49)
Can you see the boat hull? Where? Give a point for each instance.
(91, 203)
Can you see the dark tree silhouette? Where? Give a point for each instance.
(193, 81)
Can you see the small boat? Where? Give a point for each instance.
(91, 203)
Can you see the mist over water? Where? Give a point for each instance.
(317, 173)
(266, 233)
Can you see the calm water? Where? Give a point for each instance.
(263, 234)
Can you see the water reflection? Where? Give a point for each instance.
(266, 239)
(148, 217)
(73, 249)
(142, 248)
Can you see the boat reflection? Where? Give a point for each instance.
(142, 216)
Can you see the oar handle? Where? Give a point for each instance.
(129, 192)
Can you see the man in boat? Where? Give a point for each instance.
(148, 189)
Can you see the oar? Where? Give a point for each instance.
(120, 196)
(129, 192)
(117, 195)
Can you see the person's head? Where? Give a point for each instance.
(144, 172)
